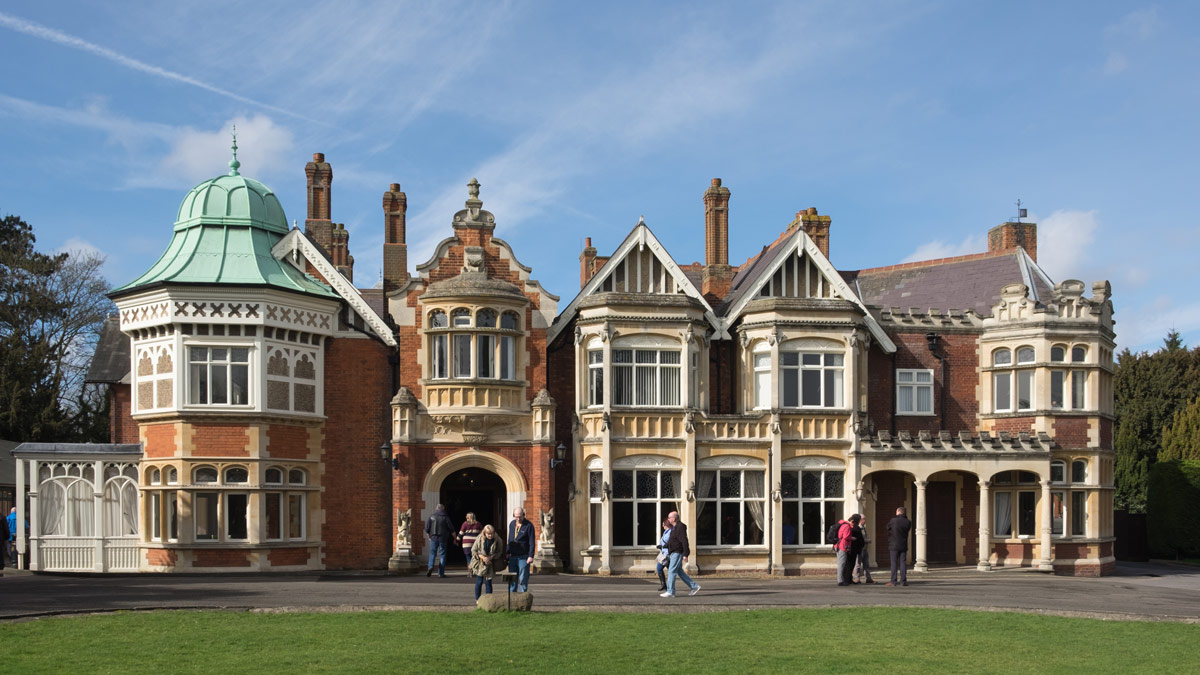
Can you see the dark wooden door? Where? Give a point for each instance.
(941, 520)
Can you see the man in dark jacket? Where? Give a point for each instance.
(678, 550)
(520, 550)
(898, 529)
(440, 530)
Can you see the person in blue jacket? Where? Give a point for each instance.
(520, 550)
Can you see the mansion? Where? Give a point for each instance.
(270, 415)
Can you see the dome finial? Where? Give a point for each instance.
(234, 163)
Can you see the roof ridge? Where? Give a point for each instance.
(933, 262)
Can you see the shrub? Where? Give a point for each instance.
(1172, 496)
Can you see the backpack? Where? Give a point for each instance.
(831, 535)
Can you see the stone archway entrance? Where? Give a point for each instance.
(473, 490)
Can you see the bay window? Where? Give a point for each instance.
(1006, 398)
(811, 379)
(646, 377)
(641, 500)
(1068, 506)
(762, 380)
(812, 500)
(595, 377)
(730, 507)
(219, 375)
(467, 346)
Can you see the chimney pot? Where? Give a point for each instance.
(318, 157)
(716, 182)
(395, 187)
(812, 210)
(587, 241)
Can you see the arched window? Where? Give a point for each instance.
(274, 476)
(172, 476)
(237, 474)
(1058, 471)
(297, 477)
(1058, 353)
(120, 507)
(439, 358)
(155, 476)
(485, 318)
(1025, 355)
(509, 321)
(205, 474)
(1006, 397)
(1001, 357)
(1078, 354)
(461, 317)
(437, 319)
(1079, 471)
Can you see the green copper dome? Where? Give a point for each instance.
(224, 234)
(232, 200)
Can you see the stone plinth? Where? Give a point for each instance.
(403, 562)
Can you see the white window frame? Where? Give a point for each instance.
(823, 367)
(910, 379)
(760, 364)
(595, 378)
(595, 507)
(645, 393)
(208, 364)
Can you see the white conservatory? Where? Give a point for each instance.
(83, 506)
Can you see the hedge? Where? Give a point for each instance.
(1172, 518)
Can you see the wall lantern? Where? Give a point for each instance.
(385, 453)
(560, 455)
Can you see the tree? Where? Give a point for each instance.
(1181, 440)
(1149, 388)
(51, 310)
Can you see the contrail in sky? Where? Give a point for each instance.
(49, 34)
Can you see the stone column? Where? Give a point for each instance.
(985, 527)
(920, 565)
(22, 554)
(606, 458)
(1044, 563)
(774, 510)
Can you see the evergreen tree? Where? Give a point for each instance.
(1181, 440)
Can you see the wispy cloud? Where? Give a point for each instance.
(933, 250)
(1134, 27)
(1065, 241)
(122, 130)
(58, 37)
(198, 154)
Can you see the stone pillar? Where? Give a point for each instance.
(22, 554)
(606, 460)
(920, 565)
(774, 487)
(98, 514)
(1044, 563)
(985, 527)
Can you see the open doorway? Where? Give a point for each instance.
(478, 491)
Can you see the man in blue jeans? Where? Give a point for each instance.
(678, 549)
(520, 550)
(440, 530)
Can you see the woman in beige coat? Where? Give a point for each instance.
(487, 556)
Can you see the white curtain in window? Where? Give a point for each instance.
(129, 500)
(80, 509)
(754, 497)
(1003, 514)
(704, 480)
(669, 385)
(51, 498)
(112, 509)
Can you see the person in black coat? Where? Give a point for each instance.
(440, 530)
(898, 529)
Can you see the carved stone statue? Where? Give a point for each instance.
(404, 524)
(547, 527)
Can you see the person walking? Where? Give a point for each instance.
(664, 556)
(898, 529)
(487, 552)
(520, 550)
(844, 548)
(468, 533)
(862, 562)
(440, 530)
(678, 550)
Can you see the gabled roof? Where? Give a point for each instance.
(110, 362)
(754, 274)
(296, 248)
(965, 282)
(639, 236)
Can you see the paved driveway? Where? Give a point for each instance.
(1138, 591)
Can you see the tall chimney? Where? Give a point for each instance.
(395, 250)
(339, 253)
(587, 262)
(718, 275)
(1010, 236)
(817, 228)
(319, 225)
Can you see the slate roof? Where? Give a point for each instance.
(966, 282)
(375, 300)
(110, 363)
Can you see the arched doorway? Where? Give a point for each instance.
(473, 490)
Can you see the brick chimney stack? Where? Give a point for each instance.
(1010, 236)
(816, 227)
(718, 275)
(395, 248)
(587, 263)
(339, 251)
(319, 224)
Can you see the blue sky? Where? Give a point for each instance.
(915, 125)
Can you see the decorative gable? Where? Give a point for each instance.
(796, 276)
(640, 265)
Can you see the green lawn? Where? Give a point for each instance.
(839, 640)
